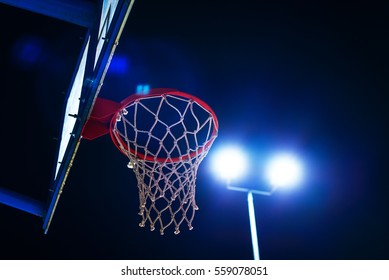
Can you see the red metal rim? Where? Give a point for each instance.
(119, 142)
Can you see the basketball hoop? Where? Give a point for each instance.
(165, 135)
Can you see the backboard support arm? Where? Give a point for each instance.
(22, 202)
(79, 12)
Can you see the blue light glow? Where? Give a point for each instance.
(119, 65)
(142, 89)
(28, 51)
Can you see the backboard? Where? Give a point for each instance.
(103, 21)
(99, 47)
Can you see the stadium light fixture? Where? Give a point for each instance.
(283, 170)
(230, 163)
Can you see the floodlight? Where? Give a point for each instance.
(284, 170)
(229, 163)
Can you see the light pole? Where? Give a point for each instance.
(253, 224)
(282, 171)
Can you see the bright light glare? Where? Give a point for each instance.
(229, 163)
(284, 170)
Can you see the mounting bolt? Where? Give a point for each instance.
(74, 116)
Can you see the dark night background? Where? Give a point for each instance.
(311, 78)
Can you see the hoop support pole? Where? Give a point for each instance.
(22, 202)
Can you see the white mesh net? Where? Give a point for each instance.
(165, 138)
